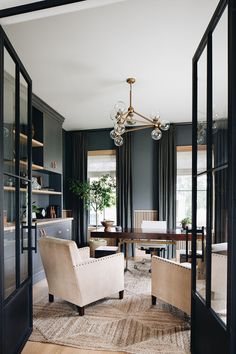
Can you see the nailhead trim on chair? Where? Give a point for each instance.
(154, 258)
(95, 260)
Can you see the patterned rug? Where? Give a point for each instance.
(131, 325)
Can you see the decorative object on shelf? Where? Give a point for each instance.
(35, 210)
(23, 181)
(52, 212)
(41, 213)
(107, 224)
(186, 222)
(9, 182)
(99, 194)
(35, 182)
(125, 118)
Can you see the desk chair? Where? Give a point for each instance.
(186, 254)
(162, 246)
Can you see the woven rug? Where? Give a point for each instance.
(131, 325)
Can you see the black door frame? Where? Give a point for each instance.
(205, 324)
(26, 286)
(35, 6)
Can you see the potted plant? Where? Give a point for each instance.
(185, 222)
(98, 194)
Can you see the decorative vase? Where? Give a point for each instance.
(107, 225)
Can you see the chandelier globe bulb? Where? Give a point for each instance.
(120, 107)
(118, 141)
(119, 129)
(165, 125)
(113, 134)
(156, 134)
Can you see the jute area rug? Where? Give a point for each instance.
(131, 325)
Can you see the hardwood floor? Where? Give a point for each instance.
(40, 290)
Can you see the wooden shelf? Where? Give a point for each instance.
(35, 191)
(24, 164)
(34, 166)
(35, 143)
(24, 139)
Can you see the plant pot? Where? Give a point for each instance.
(107, 224)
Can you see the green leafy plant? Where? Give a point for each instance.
(186, 221)
(99, 194)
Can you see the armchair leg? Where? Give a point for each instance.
(121, 294)
(154, 300)
(80, 310)
(50, 297)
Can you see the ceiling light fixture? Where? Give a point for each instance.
(124, 119)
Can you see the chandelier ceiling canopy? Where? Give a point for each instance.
(126, 118)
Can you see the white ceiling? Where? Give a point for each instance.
(79, 59)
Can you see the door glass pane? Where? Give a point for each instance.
(23, 127)
(201, 243)
(219, 244)
(9, 113)
(23, 234)
(202, 112)
(220, 92)
(9, 218)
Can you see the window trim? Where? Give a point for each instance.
(101, 152)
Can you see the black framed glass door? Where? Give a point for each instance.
(15, 169)
(211, 312)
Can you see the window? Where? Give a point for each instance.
(101, 163)
(184, 186)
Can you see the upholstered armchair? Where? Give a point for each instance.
(171, 282)
(76, 278)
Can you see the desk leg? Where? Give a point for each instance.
(126, 255)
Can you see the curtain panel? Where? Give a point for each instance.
(79, 172)
(166, 172)
(124, 183)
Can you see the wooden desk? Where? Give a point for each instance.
(137, 234)
(129, 236)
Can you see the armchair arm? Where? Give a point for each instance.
(100, 277)
(84, 253)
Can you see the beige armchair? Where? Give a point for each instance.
(171, 282)
(76, 278)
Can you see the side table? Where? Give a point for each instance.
(103, 251)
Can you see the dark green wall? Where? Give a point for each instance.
(143, 160)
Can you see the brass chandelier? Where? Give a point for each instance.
(124, 120)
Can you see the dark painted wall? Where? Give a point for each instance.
(143, 160)
(183, 134)
(144, 176)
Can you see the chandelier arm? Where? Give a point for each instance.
(147, 119)
(142, 122)
(139, 128)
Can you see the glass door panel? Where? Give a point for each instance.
(9, 113)
(201, 222)
(202, 113)
(220, 92)
(219, 245)
(23, 128)
(9, 219)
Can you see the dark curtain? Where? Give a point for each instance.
(79, 171)
(124, 183)
(166, 163)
